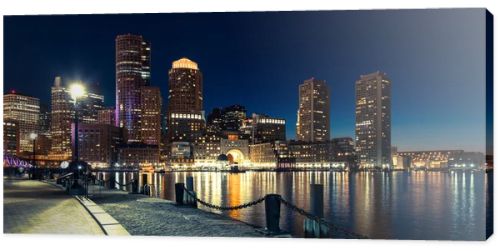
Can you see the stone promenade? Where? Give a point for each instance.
(40, 208)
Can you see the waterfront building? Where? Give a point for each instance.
(430, 159)
(313, 115)
(439, 159)
(10, 137)
(185, 115)
(133, 71)
(373, 120)
(319, 154)
(343, 149)
(266, 129)
(214, 122)
(106, 116)
(98, 143)
(236, 149)
(271, 155)
(233, 117)
(468, 160)
(139, 156)
(151, 115)
(25, 110)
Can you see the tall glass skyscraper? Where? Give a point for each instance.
(186, 120)
(373, 120)
(133, 70)
(313, 115)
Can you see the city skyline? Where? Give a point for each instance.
(283, 103)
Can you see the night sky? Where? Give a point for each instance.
(435, 59)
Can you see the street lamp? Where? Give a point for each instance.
(76, 91)
(33, 137)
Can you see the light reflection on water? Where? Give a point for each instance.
(401, 205)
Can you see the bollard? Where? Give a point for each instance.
(144, 180)
(179, 193)
(313, 228)
(135, 186)
(190, 187)
(190, 183)
(273, 205)
(111, 181)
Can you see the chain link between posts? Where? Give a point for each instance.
(222, 208)
(287, 204)
(320, 220)
(126, 184)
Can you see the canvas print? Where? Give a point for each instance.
(366, 124)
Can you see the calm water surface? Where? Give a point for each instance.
(401, 205)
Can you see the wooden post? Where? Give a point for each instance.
(144, 181)
(111, 179)
(273, 206)
(179, 193)
(190, 187)
(313, 228)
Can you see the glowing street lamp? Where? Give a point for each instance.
(33, 137)
(76, 90)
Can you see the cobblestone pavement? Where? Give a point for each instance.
(142, 215)
(40, 208)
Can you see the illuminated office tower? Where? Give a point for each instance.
(373, 120)
(25, 110)
(133, 61)
(265, 129)
(10, 137)
(151, 115)
(106, 116)
(313, 115)
(186, 121)
(89, 105)
(61, 119)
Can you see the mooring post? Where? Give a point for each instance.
(112, 180)
(179, 193)
(273, 208)
(190, 187)
(313, 228)
(144, 182)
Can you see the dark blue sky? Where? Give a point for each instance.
(435, 59)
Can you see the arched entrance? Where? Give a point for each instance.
(235, 156)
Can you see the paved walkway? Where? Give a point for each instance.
(38, 207)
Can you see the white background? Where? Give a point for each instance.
(46, 242)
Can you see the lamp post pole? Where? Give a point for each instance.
(77, 90)
(33, 136)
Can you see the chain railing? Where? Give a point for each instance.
(125, 184)
(224, 208)
(320, 220)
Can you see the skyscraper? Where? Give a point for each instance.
(313, 115)
(25, 110)
(150, 115)
(373, 120)
(106, 116)
(133, 61)
(186, 120)
(61, 119)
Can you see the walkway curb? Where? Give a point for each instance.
(109, 225)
